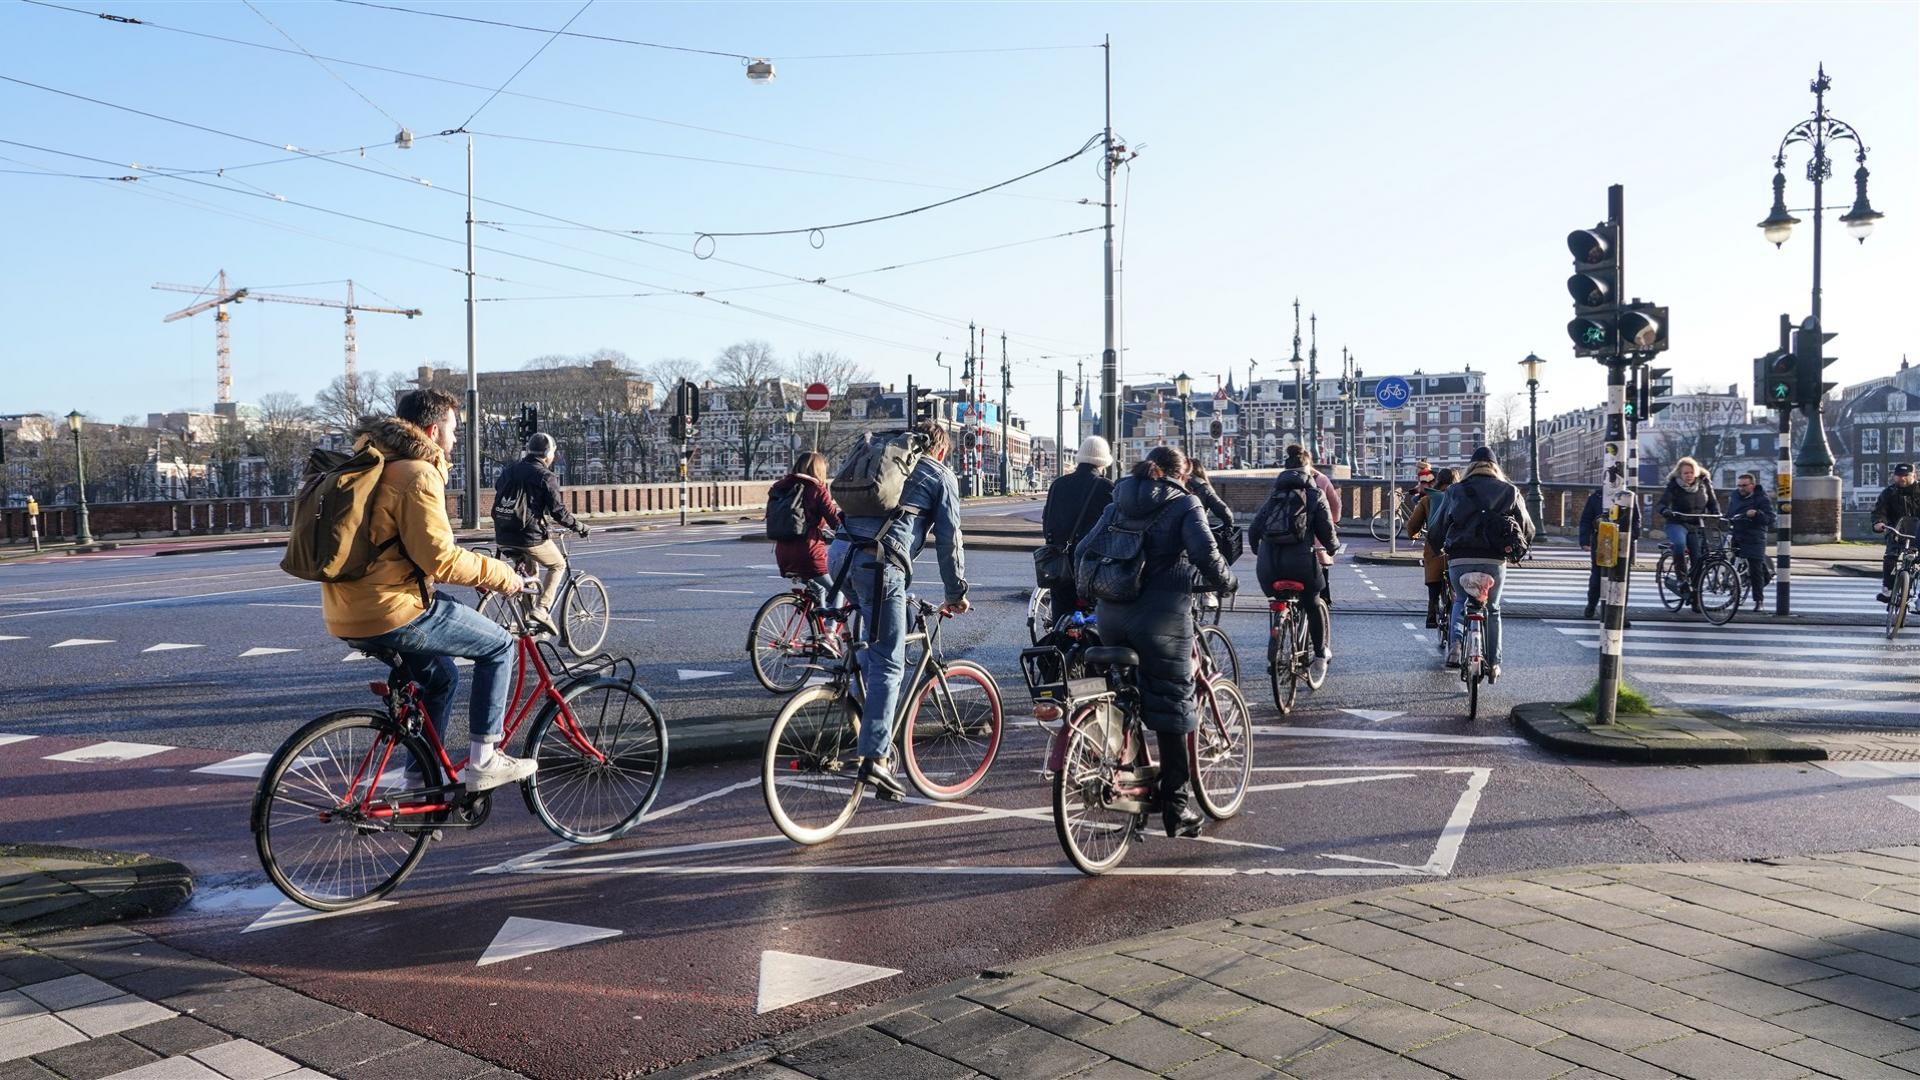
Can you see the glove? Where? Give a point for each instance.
(582, 532)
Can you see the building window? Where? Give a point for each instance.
(1870, 441)
(1869, 474)
(1896, 402)
(1897, 440)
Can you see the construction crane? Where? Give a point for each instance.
(222, 295)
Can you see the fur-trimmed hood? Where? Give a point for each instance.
(400, 440)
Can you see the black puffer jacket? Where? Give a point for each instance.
(1279, 558)
(1084, 486)
(1677, 499)
(1896, 504)
(1180, 549)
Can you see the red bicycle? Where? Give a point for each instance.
(348, 804)
(793, 638)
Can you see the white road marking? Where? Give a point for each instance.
(264, 651)
(9, 740)
(1721, 680)
(1373, 715)
(247, 766)
(1718, 701)
(110, 751)
(1872, 770)
(1390, 736)
(733, 592)
(307, 607)
(76, 641)
(626, 618)
(689, 674)
(1911, 802)
(13, 637)
(520, 937)
(665, 573)
(1635, 644)
(157, 600)
(169, 646)
(355, 655)
(288, 913)
(789, 978)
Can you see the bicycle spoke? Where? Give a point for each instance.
(600, 760)
(313, 838)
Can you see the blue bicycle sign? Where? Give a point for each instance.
(1392, 392)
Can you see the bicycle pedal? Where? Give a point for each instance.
(883, 793)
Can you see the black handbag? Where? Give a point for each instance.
(1231, 540)
(1053, 563)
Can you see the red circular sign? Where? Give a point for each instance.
(818, 396)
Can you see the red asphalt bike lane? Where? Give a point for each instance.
(707, 886)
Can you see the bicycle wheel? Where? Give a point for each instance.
(585, 616)
(1719, 598)
(313, 839)
(1382, 525)
(1039, 614)
(809, 770)
(1473, 668)
(953, 733)
(1280, 662)
(1221, 752)
(1671, 596)
(1218, 648)
(1897, 603)
(783, 646)
(1306, 643)
(1094, 834)
(600, 761)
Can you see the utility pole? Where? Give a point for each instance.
(1006, 447)
(1110, 356)
(1059, 422)
(966, 418)
(1312, 441)
(470, 502)
(1299, 393)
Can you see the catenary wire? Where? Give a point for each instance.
(516, 71)
(323, 64)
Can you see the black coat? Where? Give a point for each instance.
(524, 497)
(1676, 499)
(1085, 485)
(1750, 534)
(1180, 553)
(1276, 560)
(1210, 500)
(1896, 504)
(1593, 514)
(1483, 487)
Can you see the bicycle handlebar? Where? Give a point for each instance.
(1891, 531)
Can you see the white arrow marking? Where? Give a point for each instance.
(169, 646)
(789, 978)
(110, 751)
(248, 766)
(1375, 715)
(520, 937)
(13, 637)
(689, 674)
(72, 641)
(9, 740)
(262, 651)
(287, 913)
(355, 656)
(1911, 802)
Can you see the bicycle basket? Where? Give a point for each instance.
(1053, 678)
(1478, 585)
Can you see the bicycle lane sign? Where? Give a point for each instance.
(1392, 392)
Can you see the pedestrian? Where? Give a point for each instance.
(1179, 557)
(879, 566)
(1433, 557)
(804, 558)
(1750, 515)
(1898, 501)
(394, 607)
(1590, 517)
(1687, 498)
(1074, 503)
(526, 494)
(1288, 534)
(1485, 524)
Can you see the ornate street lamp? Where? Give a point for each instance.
(1532, 365)
(84, 533)
(1183, 387)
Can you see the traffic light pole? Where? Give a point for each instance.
(1618, 495)
(1783, 512)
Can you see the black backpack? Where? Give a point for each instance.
(1111, 562)
(787, 513)
(1491, 527)
(1284, 518)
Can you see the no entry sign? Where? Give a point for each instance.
(818, 397)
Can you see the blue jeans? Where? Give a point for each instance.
(1458, 568)
(821, 589)
(1689, 547)
(883, 661)
(428, 645)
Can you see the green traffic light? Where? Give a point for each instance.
(1593, 335)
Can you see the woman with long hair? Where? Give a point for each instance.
(1688, 492)
(805, 558)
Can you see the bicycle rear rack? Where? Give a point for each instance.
(599, 665)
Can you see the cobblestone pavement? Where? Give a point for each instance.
(1783, 968)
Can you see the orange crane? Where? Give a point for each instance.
(222, 295)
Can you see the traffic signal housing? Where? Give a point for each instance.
(1776, 380)
(686, 401)
(528, 422)
(924, 406)
(1595, 288)
(1810, 362)
(1659, 387)
(1643, 328)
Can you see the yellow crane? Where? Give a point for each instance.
(222, 295)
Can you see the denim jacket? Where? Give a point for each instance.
(933, 497)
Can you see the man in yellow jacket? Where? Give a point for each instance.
(394, 607)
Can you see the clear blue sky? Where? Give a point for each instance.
(1408, 170)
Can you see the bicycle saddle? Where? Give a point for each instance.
(1111, 654)
(384, 655)
(1289, 586)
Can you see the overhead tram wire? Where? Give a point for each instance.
(374, 105)
(523, 66)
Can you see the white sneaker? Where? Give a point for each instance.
(1317, 672)
(499, 771)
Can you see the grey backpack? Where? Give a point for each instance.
(869, 484)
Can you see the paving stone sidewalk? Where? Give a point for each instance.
(109, 1002)
(1784, 968)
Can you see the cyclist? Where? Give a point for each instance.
(1898, 501)
(1688, 491)
(1485, 524)
(524, 497)
(1074, 502)
(805, 557)
(1423, 482)
(881, 553)
(1219, 514)
(1590, 517)
(1284, 535)
(394, 607)
(1179, 554)
(1433, 559)
(1750, 513)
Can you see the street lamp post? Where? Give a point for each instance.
(793, 430)
(83, 534)
(1815, 458)
(1183, 386)
(1534, 502)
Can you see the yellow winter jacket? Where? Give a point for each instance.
(410, 503)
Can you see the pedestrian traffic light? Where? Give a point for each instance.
(1594, 287)
(1643, 328)
(686, 401)
(1776, 382)
(1659, 387)
(1215, 429)
(1810, 360)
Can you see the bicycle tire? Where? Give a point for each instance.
(1220, 752)
(585, 614)
(782, 645)
(1719, 594)
(1897, 603)
(586, 801)
(498, 608)
(1093, 834)
(1218, 648)
(1473, 696)
(1280, 663)
(1662, 572)
(1039, 614)
(374, 858)
(1326, 622)
(964, 741)
(1381, 525)
(813, 754)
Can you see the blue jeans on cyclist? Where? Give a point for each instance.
(428, 645)
(1457, 634)
(1689, 547)
(820, 589)
(883, 662)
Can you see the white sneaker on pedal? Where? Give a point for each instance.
(1317, 672)
(499, 771)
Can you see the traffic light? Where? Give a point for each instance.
(1659, 386)
(1215, 429)
(1594, 287)
(1776, 383)
(1643, 328)
(686, 401)
(529, 421)
(1809, 353)
(924, 406)
(677, 428)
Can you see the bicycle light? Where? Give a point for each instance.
(1046, 712)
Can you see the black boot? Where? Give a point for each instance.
(1181, 819)
(874, 772)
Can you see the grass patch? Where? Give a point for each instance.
(1629, 702)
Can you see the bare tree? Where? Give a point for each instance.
(830, 367)
(337, 410)
(1507, 432)
(746, 369)
(666, 373)
(286, 433)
